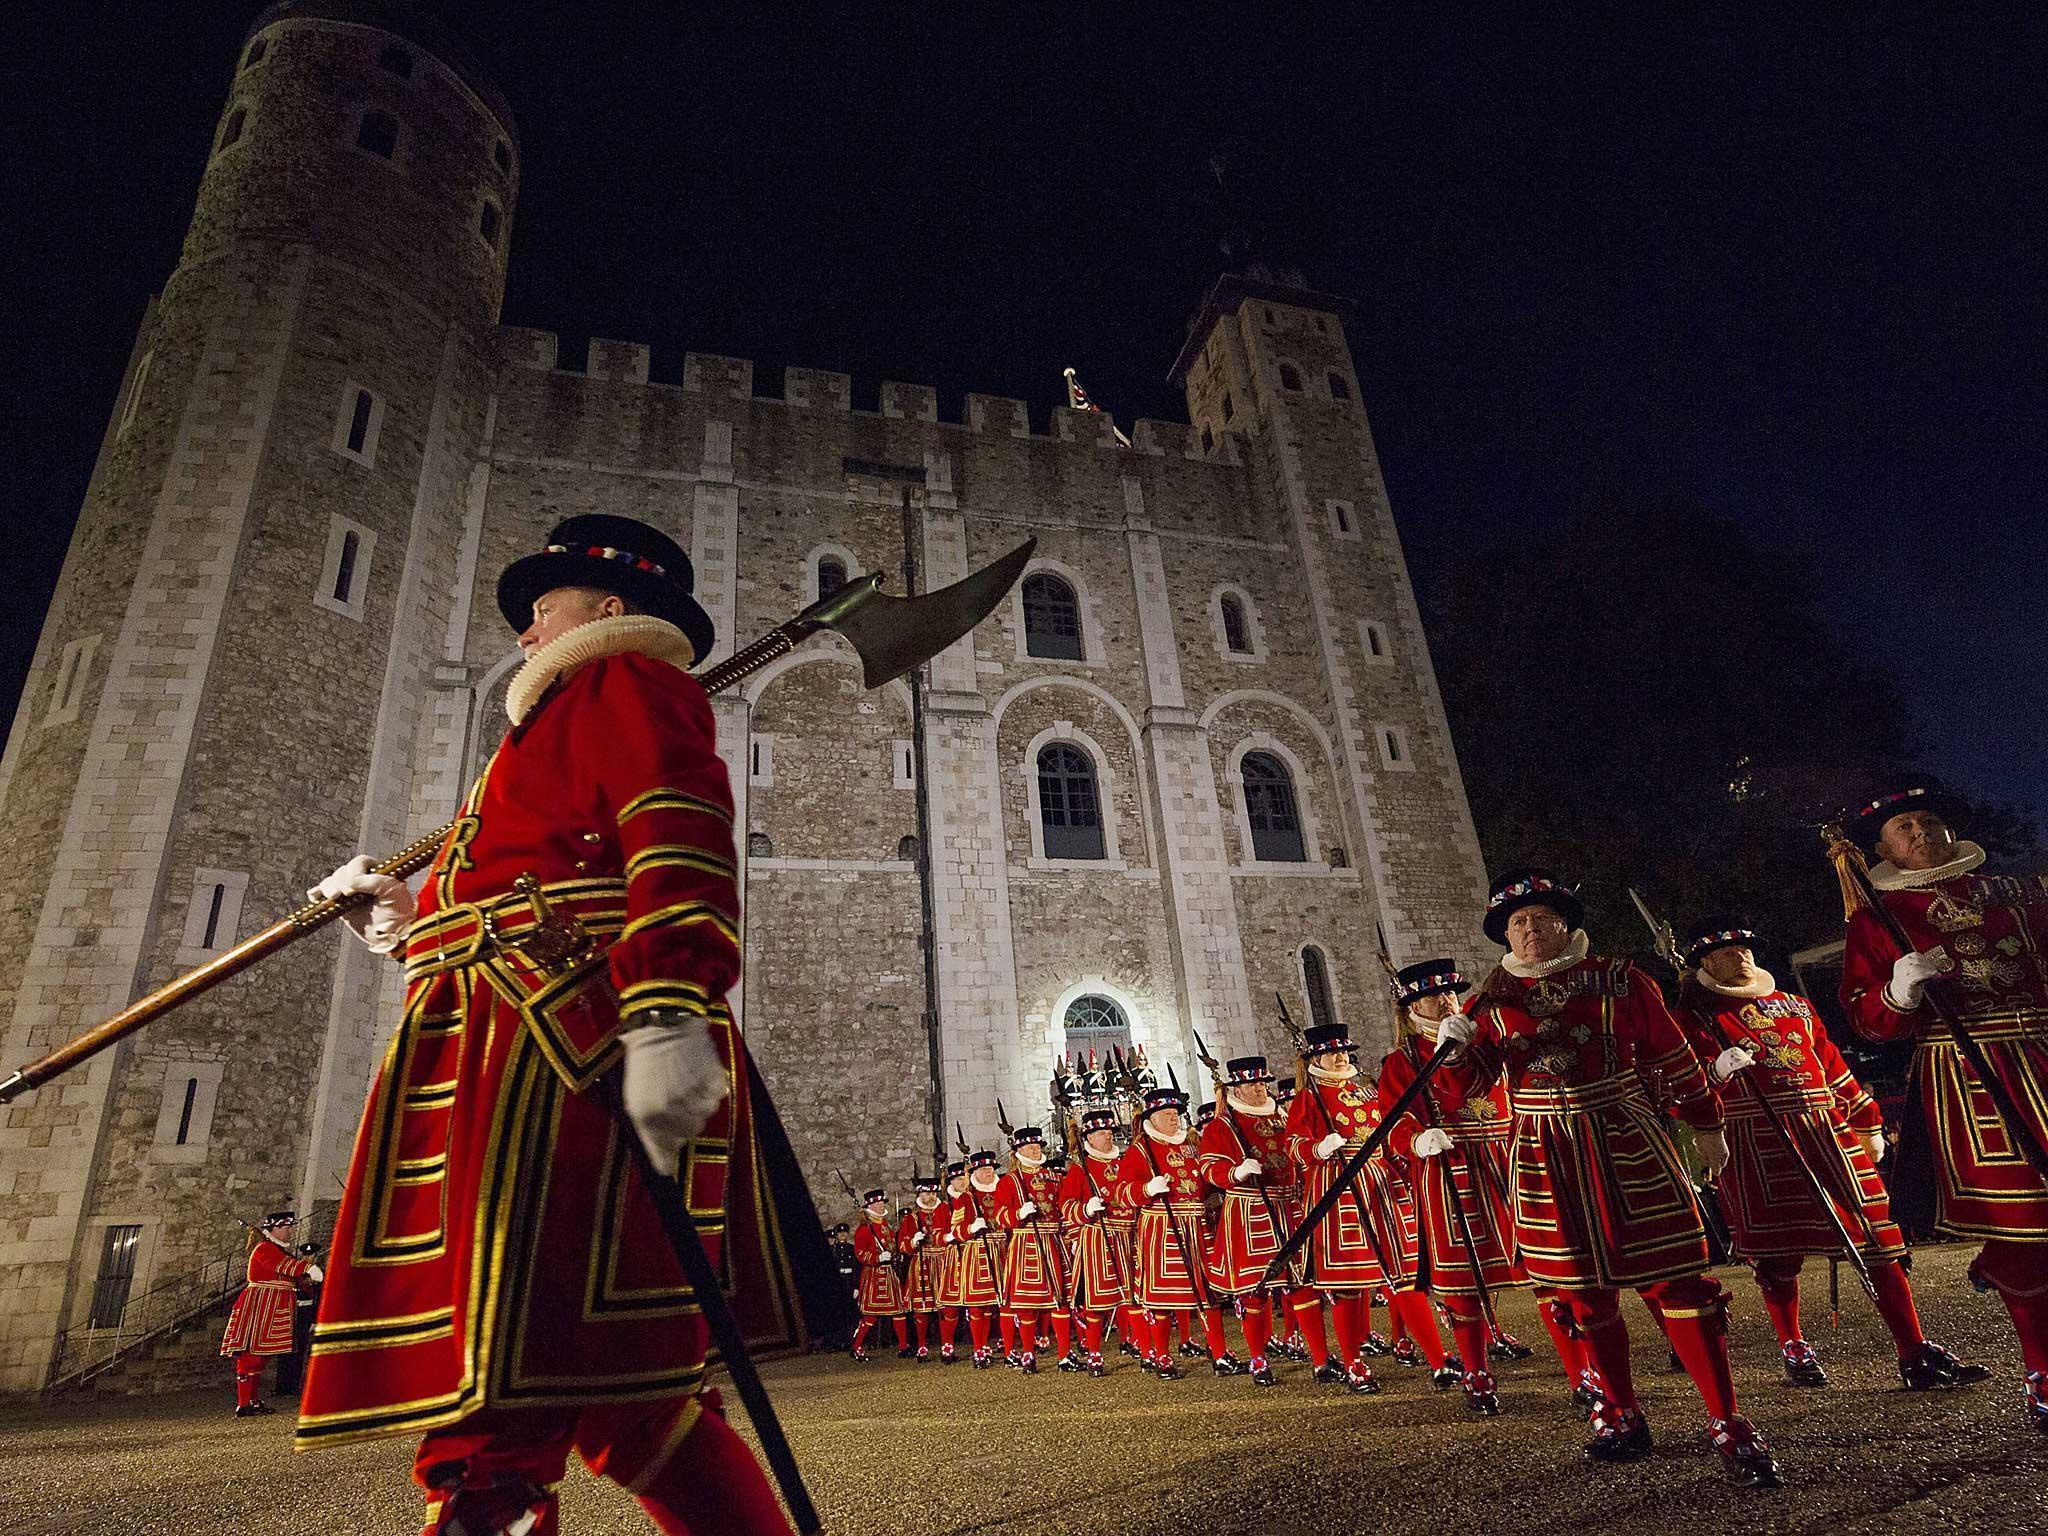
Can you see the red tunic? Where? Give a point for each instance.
(879, 1294)
(1995, 930)
(1345, 1253)
(1245, 1235)
(921, 1278)
(1036, 1278)
(495, 1246)
(1601, 1198)
(1100, 1263)
(1770, 1209)
(978, 1273)
(261, 1323)
(1162, 1270)
(1472, 1177)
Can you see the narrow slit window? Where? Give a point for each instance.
(1315, 978)
(255, 54)
(488, 222)
(345, 568)
(345, 572)
(185, 1112)
(1290, 377)
(1229, 406)
(1208, 440)
(1340, 387)
(1233, 626)
(231, 130)
(359, 421)
(135, 392)
(502, 153)
(210, 939)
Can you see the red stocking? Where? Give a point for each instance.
(1162, 1338)
(1777, 1280)
(1308, 1317)
(1564, 1334)
(1091, 1334)
(1412, 1308)
(1062, 1332)
(1696, 1322)
(1258, 1327)
(949, 1329)
(712, 1486)
(860, 1334)
(1468, 1327)
(1351, 1318)
(1212, 1333)
(1598, 1316)
(1007, 1321)
(2019, 1273)
(248, 1378)
(917, 1327)
(977, 1329)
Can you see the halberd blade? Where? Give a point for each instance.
(895, 635)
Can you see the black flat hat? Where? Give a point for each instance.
(1425, 978)
(1719, 934)
(1520, 888)
(614, 554)
(1867, 820)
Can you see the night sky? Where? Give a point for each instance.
(1789, 265)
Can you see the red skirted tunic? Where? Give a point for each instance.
(1472, 1177)
(1995, 931)
(921, 1277)
(1245, 1235)
(879, 1294)
(261, 1322)
(1100, 1264)
(1349, 1246)
(496, 1248)
(1601, 1198)
(978, 1273)
(1161, 1268)
(1770, 1209)
(1036, 1279)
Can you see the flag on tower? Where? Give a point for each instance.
(1077, 399)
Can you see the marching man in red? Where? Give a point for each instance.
(1601, 1199)
(919, 1237)
(1983, 941)
(1027, 1206)
(880, 1294)
(1458, 1166)
(1160, 1178)
(499, 1282)
(1353, 1251)
(948, 1241)
(1099, 1276)
(1243, 1139)
(260, 1326)
(978, 1279)
(1754, 1036)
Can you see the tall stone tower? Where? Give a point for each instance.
(232, 673)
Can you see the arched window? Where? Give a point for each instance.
(255, 54)
(1315, 975)
(1069, 809)
(759, 847)
(1052, 619)
(1270, 808)
(397, 60)
(906, 847)
(231, 130)
(1233, 625)
(1094, 1022)
(1290, 376)
(831, 575)
(1340, 387)
(488, 222)
(378, 134)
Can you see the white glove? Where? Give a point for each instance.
(1094, 1207)
(1735, 1059)
(1027, 1210)
(1157, 1185)
(1247, 1170)
(1874, 1144)
(673, 1084)
(1432, 1142)
(1910, 975)
(1713, 1150)
(917, 1239)
(1328, 1146)
(380, 923)
(1454, 1029)
(976, 1227)
(316, 1274)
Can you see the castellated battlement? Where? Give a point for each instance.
(819, 389)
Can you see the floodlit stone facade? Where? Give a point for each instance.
(275, 643)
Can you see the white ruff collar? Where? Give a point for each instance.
(1762, 984)
(1574, 952)
(1029, 1167)
(1168, 1141)
(1887, 876)
(1103, 1157)
(1343, 1074)
(985, 1189)
(571, 649)
(1259, 1111)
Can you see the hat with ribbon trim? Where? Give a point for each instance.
(614, 554)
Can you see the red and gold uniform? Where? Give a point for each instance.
(1601, 1199)
(920, 1235)
(1170, 1244)
(880, 1292)
(1992, 931)
(1036, 1280)
(950, 1305)
(498, 1279)
(1250, 1225)
(260, 1325)
(979, 1270)
(1099, 1270)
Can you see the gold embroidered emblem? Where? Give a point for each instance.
(1946, 914)
(1546, 999)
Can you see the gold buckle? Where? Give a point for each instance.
(556, 942)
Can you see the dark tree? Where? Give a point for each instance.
(1647, 696)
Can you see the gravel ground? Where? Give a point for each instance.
(893, 1448)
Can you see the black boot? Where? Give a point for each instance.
(1330, 1371)
(1932, 1366)
(2037, 1400)
(1745, 1456)
(1226, 1364)
(1802, 1366)
(1505, 1346)
(1480, 1396)
(1095, 1366)
(1262, 1373)
(255, 1410)
(1619, 1434)
(1362, 1381)
(1168, 1371)
(1446, 1376)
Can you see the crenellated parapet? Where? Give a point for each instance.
(728, 377)
(623, 360)
(814, 389)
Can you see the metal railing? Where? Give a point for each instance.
(86, 1352)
